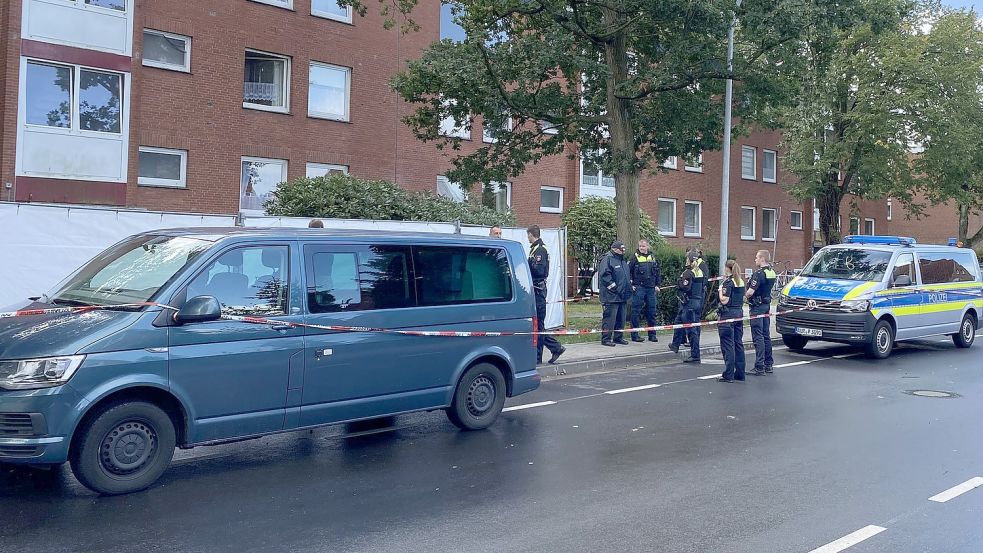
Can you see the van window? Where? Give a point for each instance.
(246, 281)
(848, 264)
(384, 277)
(333, 282)
(461, 275)
(905, 265)
(943, 267)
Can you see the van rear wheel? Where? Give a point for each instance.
(123, 448)
(967, 332)
(881, 341)
(479, 398)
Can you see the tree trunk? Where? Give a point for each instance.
(964, 225)
(828, 203)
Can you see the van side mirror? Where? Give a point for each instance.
(902, 280)
(199, 309)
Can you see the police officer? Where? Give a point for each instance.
(731, 294)
(539, 266)
(759, 298)
(645, 280)
(615, 286)
(690, 293)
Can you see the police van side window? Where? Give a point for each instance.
(943, 267)
(246, 281)
(462, 275)
(905, 265)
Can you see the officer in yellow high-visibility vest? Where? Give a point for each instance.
(759, 298)
(643, 269)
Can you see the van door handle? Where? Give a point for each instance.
(280, 326)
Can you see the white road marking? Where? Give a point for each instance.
(708, 377)
(850, 540)
(529, 406)
(956, 491)
(793, 364)
(635, 389)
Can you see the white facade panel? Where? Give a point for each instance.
(75, 23)
(61, 156)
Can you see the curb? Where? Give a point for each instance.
(620, 362)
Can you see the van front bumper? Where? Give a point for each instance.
(36, 425)
(834, 326)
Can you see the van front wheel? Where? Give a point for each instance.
(123, 448)
(881, 341)
(795, 342)
(967, 332)
(479, 398)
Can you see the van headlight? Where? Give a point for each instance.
(857, 306)
(31, 374)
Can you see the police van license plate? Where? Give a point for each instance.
(808, 331)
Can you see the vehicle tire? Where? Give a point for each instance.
(881, 341)
(967, 332)
(123, 448)
(795, 342)
(479, 398)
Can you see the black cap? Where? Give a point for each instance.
(617, 245)
(692, 256)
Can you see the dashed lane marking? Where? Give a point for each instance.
(529, 406)
(850, 540)
(956, 491)
(709, 376)
(635, 389)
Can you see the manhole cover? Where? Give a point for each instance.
(931, 393)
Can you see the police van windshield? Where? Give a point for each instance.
(848, 264)
(132, 271)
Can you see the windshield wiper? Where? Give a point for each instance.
(73, 303)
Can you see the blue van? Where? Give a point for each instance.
(113, 391)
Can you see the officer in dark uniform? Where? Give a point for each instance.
(615, 286)
(731, 295)
(645, 280)
(689, 292)
(759, 298)
(539, 266)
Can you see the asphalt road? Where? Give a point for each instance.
(789, 462)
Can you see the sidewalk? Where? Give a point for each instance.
(592, 356)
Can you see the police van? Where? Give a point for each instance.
(873, 291)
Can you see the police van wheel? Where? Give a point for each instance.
(794, 342)
(123, 448)
(967, 332)
(881, 341)
(479, 398)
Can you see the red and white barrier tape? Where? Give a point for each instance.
(80, 309)
(661, 289)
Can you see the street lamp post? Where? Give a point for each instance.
(725, 184)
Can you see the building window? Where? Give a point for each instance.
(490, 132)
(692, 215)
(331, 10)
(854, 225)
(749, 156)
(550, 199)
(796, 220)
(869, 227)
(328, 92)
(118, 5)
(591, 175)
(288, 4)
(670, 162)
(667, 216)
(166, 50)
(266, 82)
(815, 218)
(497, 196)
(695, 164)
(56, 92)
(890, 209)
(451, 190)
(548, 128)
(769, 224)
(163, 167)
(315, 170)
(769, 166)
(449, 29)
(449, 126)
(747, 223)
(258, 181)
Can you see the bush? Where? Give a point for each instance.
(341, 196)
(671, 262)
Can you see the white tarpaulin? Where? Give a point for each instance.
(42, 244)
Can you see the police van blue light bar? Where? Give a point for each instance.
(880, 240)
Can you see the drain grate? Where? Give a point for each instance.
(931, 393)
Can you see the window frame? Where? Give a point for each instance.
(488, 139)
(872, 227)
(754, 163)
(699, 219)
(694, 168)
(754, 222)
(508, 194)
(284, 175)
(850, 228)
(284, 4)
(75, 124)
(332, 16)
(671, 162)
(801, 220)
(328, 166)
(182, 182)
(659, 212)
(764, 226)
(186, 68)
(543, 209)
(764, 176)
(462, 132)
(84, 4)
(287, 75)
(346, 117)
(890, 209)
(465, 193)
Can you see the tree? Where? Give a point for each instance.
(624, 84)
(851, 131)
(950, 119)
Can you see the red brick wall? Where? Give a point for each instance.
(9, 66)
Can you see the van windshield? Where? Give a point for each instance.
(848, 264)
(132, 271)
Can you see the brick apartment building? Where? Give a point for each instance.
(204, 106)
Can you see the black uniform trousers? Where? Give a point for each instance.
(613, 322)
(761, 336)
(549, 342)
(732, 346)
